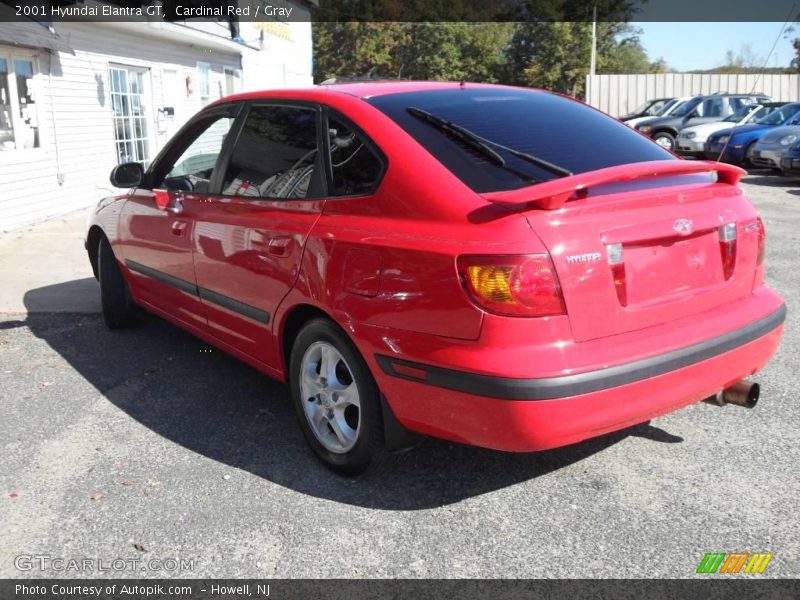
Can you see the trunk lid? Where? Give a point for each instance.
(634, 254)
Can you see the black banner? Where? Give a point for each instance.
(54, 11)
(415, 589)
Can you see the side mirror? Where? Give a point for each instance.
(127, 175)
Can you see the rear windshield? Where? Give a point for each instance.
(558, 130)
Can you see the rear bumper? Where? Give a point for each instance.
(522, 415)
(509, 388)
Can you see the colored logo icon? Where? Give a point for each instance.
(734, 562)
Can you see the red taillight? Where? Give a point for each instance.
(727, 247)
(616, 260)
(518, 285)
(762, 241)
(762, 248)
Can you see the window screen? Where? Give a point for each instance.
(561, 131)
(354, 166)
(275, 155)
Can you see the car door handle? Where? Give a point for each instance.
(279, 246)
(178, 228)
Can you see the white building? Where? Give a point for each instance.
(77, 98)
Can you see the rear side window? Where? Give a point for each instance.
(713, 107)
(275, 155)
(558, 130)
(355, 168)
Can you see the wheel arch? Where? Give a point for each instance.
(93, 238)
(396, 436)
(291, 324)
(670, 130)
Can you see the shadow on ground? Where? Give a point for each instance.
(218, 407)
(767, 178)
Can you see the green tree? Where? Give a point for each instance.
(356, 49)
(553, 56)
(445, 51)
(556, 56)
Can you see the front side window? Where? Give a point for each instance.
(687, 107)
(558, 135)
(275, 155)
(19, 125)
(354, 166)
(194, 167)
(656, 107)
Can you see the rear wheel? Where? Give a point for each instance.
(336, 399)
(118, 308)
(664, 139)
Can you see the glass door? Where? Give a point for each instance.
(129, 101)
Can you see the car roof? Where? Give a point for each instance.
(365, 89)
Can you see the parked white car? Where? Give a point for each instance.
(665, 111)
(691, 140)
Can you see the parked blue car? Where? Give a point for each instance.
(741, 140)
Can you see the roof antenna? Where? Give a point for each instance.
(461, 85)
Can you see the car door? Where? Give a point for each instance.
(250, 234)
(158, 219)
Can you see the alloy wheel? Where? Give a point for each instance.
(330, 397)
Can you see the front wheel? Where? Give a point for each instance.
(748, 155)
(665, 140)
(118, 308)
(336, 399)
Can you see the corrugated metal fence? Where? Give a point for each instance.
(620, 94)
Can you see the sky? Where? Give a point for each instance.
(689, 46)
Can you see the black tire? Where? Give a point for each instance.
(368, 451)
(748, 156)
(664, 139)
(118, 308)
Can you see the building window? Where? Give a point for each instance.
(19, 125)
(204, 82)
(233, 81)
(128, 101)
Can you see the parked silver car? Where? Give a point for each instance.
(770, 148)
(691, 140)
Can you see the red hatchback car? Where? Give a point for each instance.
(497, 266)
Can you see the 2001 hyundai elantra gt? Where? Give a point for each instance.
(497, 266)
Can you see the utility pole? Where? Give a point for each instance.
(593, 61)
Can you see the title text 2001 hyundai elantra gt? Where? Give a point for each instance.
(497, 266)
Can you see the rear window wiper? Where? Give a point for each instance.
(485, 145)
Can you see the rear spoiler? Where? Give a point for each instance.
(554, 194)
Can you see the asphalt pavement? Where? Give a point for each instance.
(149, 447)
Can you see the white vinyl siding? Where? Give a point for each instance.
(76, 122)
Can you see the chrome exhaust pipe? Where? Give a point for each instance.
(745, 393)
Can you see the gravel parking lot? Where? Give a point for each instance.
(147, 444)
